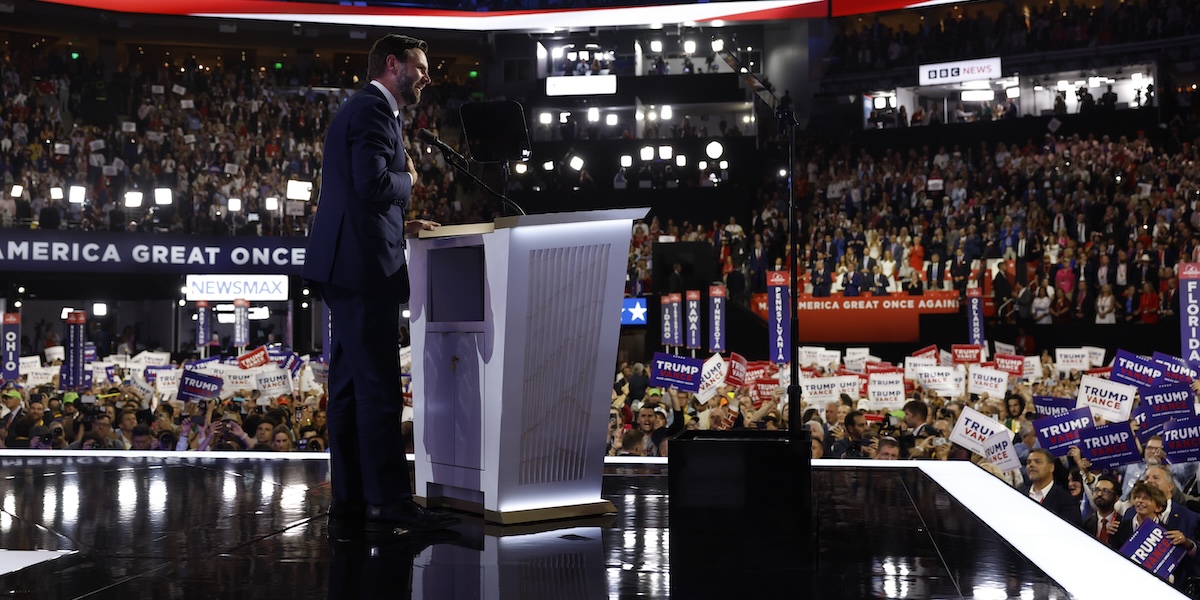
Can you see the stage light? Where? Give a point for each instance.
(183, 290)
(978, 96)
(680, 160)
(304, 304)
(182, 302)
(100, 309)
(593, 115)
(576, 163)
(702, 165)
(20, 289)
(689, 47)
(521, 168)
(572, 56)
(783, 172)
(880, 102)
(1013, 92)
(548, 165)
(666, 112)
(299, 190)
(892, 101)
(66, 312)
(563, 116)
(16, 304)
(665, 152)
(626, 161)
(272, 203)
(647, 153)
(56, 193)
(723, 165)
(656, 46)
(305, 291)
(163, 196)
(584, 55)
(76, 194)
(652, 116)
(746, 119)
(714, 150)
(718, 44)
(1038, 88)
(639, 116)
(1063, 85)
(404, 314)
(17, 190)
(235, 204)
(556, 52)
(133, 199)
(1137, 77)
(610, 119)
(1094, 82)
(545, 118)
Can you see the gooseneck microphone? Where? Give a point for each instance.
(459, 162)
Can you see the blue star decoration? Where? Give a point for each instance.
(633, 311)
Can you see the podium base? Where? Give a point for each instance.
(520, 517)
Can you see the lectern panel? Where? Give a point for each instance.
(563, 324)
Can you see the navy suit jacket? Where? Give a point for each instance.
(1060, 502)
(357, 240)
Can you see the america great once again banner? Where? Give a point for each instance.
(104, 252)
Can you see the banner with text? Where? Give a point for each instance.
(10, 346)
(716, 318)
(669, 370)
(1189, 303)
(974, 429)
(73, 361)
(1150, 547)
(1181, 440)
(1110, 446)
(1108, 399)
(692, 340)
(975, 316)
(1058, 434)
(779, 330)
(1136, 370)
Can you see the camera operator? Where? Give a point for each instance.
(856, 443)
(100, 431)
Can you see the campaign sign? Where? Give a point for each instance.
(669, 370)
(1033, 368)
(675, 302)
(1189, 303)
(1068, 359)
(712, 377)
(999, 451)
(254, 358)
(73, 363)
(1146, 429)
(828, 359)
(273, 381)
(320, 372)
(967, 353)
(1059, 434)
(763, 390)
(150, 374)
(914, 363)
(237, 380)
(1177, 370)
(1110, 445)
(1003, 348)
(988, 381)
(1168, 402)
(692, 340)
(779, 331)
(1136, 370)
(167, 382)
(195, 386)
(1150, 547)
(716, 318)
(40, 376)
(938, 379)
(737, 370)
(203, 323)
(1049, 406)
(1095, 355)
(974, 429)
(667, 328)
(930, 351)
(851, 385)
(1012, 364)
(1181, 440)
(1107, 399)
(89, 352)
(975, 316)
(30, 362)
(820, 390)
(885, 391)
(10, 346)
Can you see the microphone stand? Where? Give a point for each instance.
(456, 161)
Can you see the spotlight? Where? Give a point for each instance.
(235, 204)
(665, 152)
(689, 47)
(723, 165)
(680, 160)
(626, 161)
(652, 116)
(305, 291)
(133, 199)
(556, 52)
(718, 44)
(576, 163)
(272, 203)
(76, 194)
(100, 309)
(304, 304)
(610, 119)
(521, 168)
(666, 112)
(548, 165)
(593, 115)
(16, 304)
(647, 153)
(17, 190)
(20, 289)
(783, 172)
(714, 149)
(163, 196)
(405, 313)
(702, 165)
(182, 302)
(56, 193)
(545, 118)
(656, 46)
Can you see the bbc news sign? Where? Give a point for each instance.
(981, 69)
(255, 288)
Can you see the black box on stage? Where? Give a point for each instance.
(737, 498)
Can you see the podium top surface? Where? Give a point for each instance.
(587, 216)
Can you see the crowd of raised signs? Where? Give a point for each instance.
(1105, 416)
(265, 399)
(208, 133)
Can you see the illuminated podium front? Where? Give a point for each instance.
(514, 338)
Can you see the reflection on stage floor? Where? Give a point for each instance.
(246, 528)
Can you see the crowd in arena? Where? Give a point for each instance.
(945, 33)
(208, 133)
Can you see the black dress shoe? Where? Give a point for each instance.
(349, 511)
(408, 516)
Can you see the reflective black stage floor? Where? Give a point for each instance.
(237, 528)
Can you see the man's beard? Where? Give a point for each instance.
(408, 92)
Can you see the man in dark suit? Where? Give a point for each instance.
(1104, 521)
(356, 258)
(822, 281)
(935, 273)
(1042, 488)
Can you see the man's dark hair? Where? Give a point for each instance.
(889, 442)
(917, 408)
(848, 422)
(140, 430)
(1110, 479)
(400, 45)
(632, 440)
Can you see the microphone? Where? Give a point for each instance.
(427, 136)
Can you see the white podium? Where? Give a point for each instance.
(514, 336)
